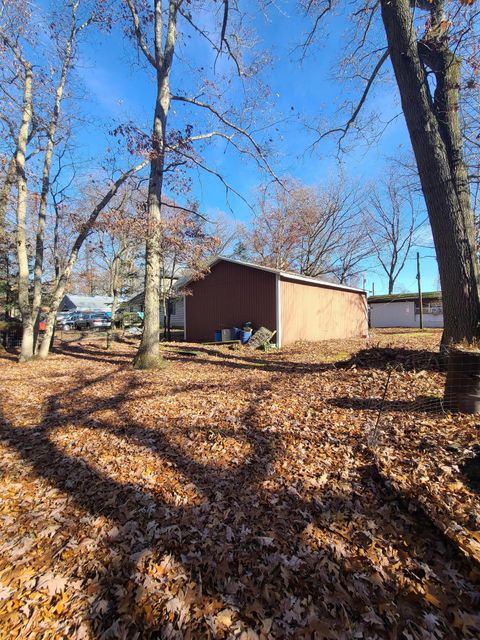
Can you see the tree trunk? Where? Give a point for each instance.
(6, 191)
(169, 321)
(148, 355)
(163, 311)
(4, 243)
(23, 271)
(391, 284)
(462, 387)
(114, 294)
(149, 351)
(441, 168)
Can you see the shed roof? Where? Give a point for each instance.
(405, 297)
(284, 274)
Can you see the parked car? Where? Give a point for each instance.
(67, 320)
(98, 320)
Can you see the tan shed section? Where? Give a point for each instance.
(314, 312)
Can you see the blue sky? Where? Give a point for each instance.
(118, 89)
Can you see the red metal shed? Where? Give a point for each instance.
(296, 307)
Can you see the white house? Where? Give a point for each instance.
(403, 310)
(177, 312)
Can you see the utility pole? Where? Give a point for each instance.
(364, 283)
(373, 288)
(420, 301)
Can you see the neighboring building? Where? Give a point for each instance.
(137, 302)
(403, 310)
(296, 307)
(86, 303)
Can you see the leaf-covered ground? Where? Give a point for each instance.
(236, 495)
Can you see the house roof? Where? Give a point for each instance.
(90, 302)
(406, 297)
(284, 274)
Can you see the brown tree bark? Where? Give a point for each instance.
(149, 350)
(114, 287)
(6, 190)
(434, 129)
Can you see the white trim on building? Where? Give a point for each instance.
(278, 309)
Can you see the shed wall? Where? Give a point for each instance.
(312, 312)
(228, 296)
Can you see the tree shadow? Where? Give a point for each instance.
(238, 359)
(247, 543)
(86, 352)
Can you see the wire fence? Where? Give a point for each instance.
(446, 390)
(392, 385)
(11, 339)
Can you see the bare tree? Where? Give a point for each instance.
(392, 228)
(85, 230)
(315, 231)
(65, 44)
(276, 230)
(156, 35)
(21, 207)
(118, 241)
(333, 240)
(355, 248)
(425, 41)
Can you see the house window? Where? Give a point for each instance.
(171, 307)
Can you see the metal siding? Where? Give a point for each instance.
(227, 296)
(314, 312)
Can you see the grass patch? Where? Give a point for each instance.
(337, 357)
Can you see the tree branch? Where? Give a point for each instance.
(139, 35)
(228, 187)
(345, 129)
(186, 209)
(233, 126)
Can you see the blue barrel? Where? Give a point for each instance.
(245, 336)
(218, 335)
